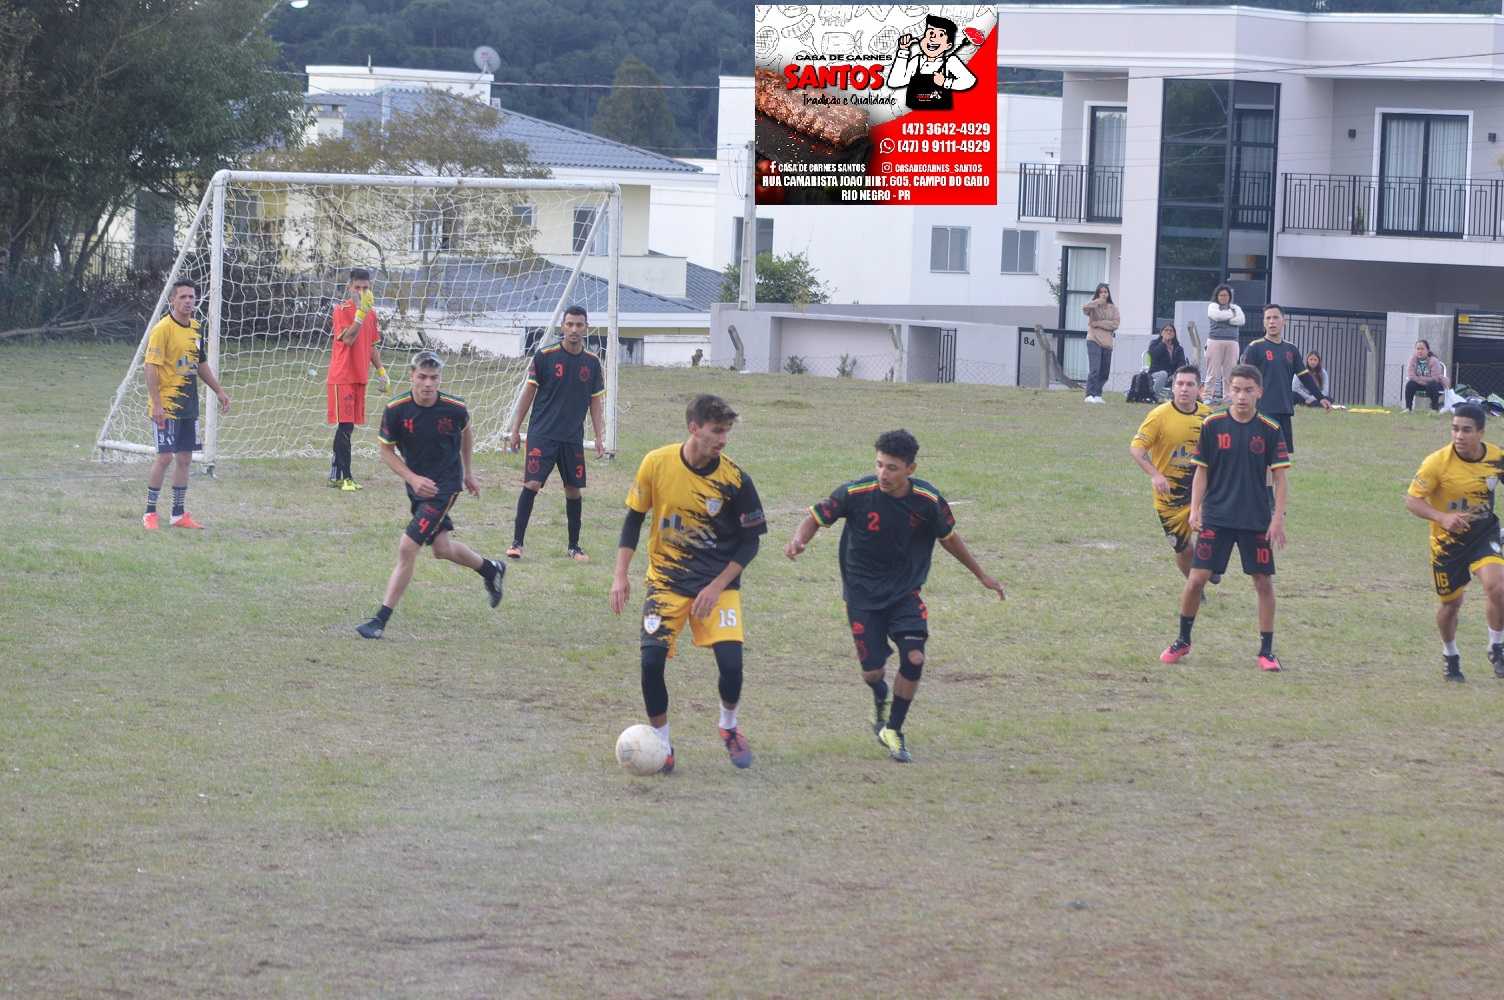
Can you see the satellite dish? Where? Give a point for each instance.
(488, 59)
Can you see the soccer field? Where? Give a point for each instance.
(210, 787)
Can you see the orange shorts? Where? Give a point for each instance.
(347, 403)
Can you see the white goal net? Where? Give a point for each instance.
(478, 269)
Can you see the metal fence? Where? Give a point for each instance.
(1070, 192)
(1443, 208)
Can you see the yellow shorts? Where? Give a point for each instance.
(664, 613)
(1177, 524)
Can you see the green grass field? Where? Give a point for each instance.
(210, 787)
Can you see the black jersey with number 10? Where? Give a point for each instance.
(887, 542)
(1236, 457)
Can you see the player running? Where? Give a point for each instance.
(707, 526)
(892, 524)
(1163, 447)
(431, 430)
(1454, 490)
(565, 380)
(1237, 449)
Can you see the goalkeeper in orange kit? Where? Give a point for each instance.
(357, 336)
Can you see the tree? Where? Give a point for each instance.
(102, 100)
(634, 112)
(787, 278)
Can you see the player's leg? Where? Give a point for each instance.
(1489, 572)
(396, 586)
(182, 463)
(663, 617)
(572, 475)
(728, 662)
(1257, 553)
(1210, 553)
(721, 630)
(1451, 579)
(333, 417)
(907, 623)
(157, 474)
(869, 630)
(541, 456)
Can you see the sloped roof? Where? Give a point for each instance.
(702, 285)
(549, 144)
(538, 289)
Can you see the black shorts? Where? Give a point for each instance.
(1214, 550)
(1454, 574)
(1286, 428)
(177, 435)
(545, 453)
(907, 617)
(430, 516)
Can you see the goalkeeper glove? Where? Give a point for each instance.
(366, 304)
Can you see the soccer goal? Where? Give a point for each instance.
(478, 269)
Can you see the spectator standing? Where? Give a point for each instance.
(1102, 319)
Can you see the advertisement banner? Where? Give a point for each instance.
(873, 104)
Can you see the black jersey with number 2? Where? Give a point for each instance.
(886, 543)
(1235, 457)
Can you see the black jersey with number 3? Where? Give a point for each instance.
(886, 543)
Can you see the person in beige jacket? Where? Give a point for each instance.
(1102, 319)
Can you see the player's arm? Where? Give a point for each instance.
(376, 364)
(1281, 491)
(1198, 493)
(207, 374)
(953, 544)
(597, 421)
(421, 485)
(1453, 522)
(802, 536)
(704, 601)
(154, 391)
(1157, 479)
(626, 547)
(467, 452)
(524, 403)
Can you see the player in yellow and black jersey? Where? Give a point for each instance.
(707, 521)
(1165, 447)
(1454, 490)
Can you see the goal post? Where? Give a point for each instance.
(477, 269)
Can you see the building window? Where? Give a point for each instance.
(764, 237)
(584, 218)
(1019, 249)
(1104, 182)
(948, 249)
(1082, 269)
(432, 232)
(523, 215)
(1423, 183)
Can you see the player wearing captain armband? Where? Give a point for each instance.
(357, 334)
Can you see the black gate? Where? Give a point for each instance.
(947, 369)
(1336, 336)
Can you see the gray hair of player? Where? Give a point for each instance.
(427, 359)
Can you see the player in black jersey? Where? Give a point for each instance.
(431, 430)
(892, 524)
(1279, 363)
(564, 382)
(1238, 448)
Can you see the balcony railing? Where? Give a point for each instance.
(1394, 206)
(1070, 192)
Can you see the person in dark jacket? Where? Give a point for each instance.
(1165, 356)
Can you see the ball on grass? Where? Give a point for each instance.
(641, 751)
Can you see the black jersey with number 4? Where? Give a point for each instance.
(886, 543)
(1235, 457)
(429, 438)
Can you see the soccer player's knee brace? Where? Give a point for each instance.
(654, 690)
(728, 659)
(911, 657)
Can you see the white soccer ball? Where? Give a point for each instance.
(640, 750)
